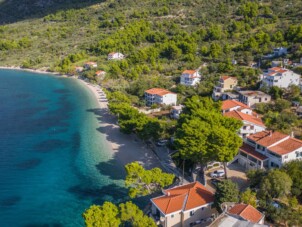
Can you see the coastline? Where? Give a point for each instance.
(40, 71)
(124, 148)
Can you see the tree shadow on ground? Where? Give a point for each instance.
(12, 11)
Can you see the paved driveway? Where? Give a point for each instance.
(235, 173)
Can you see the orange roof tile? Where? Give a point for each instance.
(184, 197)
(244, 117)
(251, 151)
(189, 72)
(228, 77)
(228, 104)
(267, 138)
(158, 91)
(287, 146)
(99, 72)
(247, 212)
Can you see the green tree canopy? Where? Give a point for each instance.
(204, 134)
(294, 170)
(143, 182)
(249, 197)
(126, 214)
(227, 191)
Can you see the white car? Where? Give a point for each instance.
(162, 143)
(218, 173)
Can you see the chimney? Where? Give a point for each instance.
(270, 133)
(292, 135)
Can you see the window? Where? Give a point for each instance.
(172, 216)
(192, 213)
(286, 156)
(202, 208)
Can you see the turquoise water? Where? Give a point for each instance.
(54, 163)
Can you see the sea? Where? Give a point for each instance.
(54, 162)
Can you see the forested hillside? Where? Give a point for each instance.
(159, 38)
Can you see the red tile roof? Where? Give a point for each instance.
(267, 138)
(247, 212)
(90, 63)
(287, 146)
(278, 69)
(183, 198)
(158, 91)
(99, 72)
(244, 117)
(228, 77)
(228, 104)
(189, 72)
(251, 151)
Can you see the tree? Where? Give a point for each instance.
(102, 216)
(294, 170)
(249, 197)
(142, 182)
(227, 191)
(275, 185)
(203, 134)
(276, 92)
(126, 214)
(131, 214)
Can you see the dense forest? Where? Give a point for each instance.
(160, 39)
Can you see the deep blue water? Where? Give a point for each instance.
(53, 162)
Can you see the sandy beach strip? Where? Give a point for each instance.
(125, 148)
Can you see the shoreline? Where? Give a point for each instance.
(124, 148)
(40, 71)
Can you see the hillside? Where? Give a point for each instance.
(159, 38)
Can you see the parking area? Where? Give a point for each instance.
(235, 172)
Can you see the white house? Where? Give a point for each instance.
(115, 56)
(190, 77)
(251, 122)
(100, 73)
(90, 65)
(279, 51)
(230, 105)
(183, 205)
(242, 215)
(251, 98)
(79, 69)
(268, 149)
(176, 111)
(280, 77)
(160, 96)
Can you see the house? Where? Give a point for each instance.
(90, 65)
(115, 56)
(247, 213)
(160, 96)
(79, 69)
(229, 95)
(242, 215)
(190, 77)
(226, 83)
(268, 149)
(279, 51)
(176, 111)
(230, 105)
(100, 73)
(251, 122)
(183, 205)
(251, 98)
(280, 77)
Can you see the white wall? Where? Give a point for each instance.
(168, 99)
(283, 80)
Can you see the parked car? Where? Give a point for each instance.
(217, 173)
(162, 143)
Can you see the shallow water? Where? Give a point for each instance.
(52, 158)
